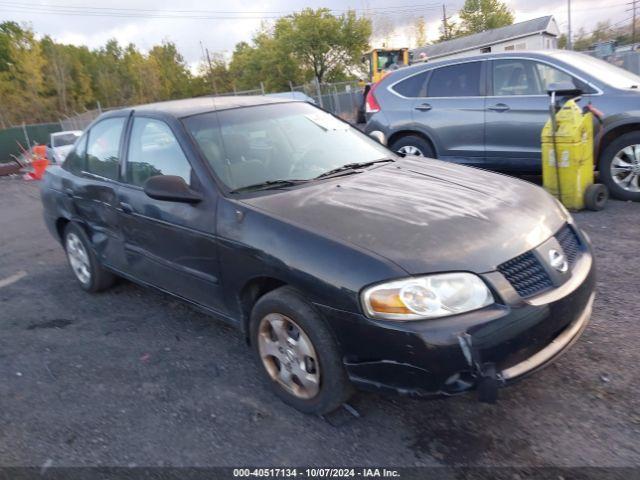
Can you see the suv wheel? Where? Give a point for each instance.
(620, 167)
(83, 262)
(297, 353)
(413, 145)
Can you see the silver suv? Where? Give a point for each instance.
(489, 110)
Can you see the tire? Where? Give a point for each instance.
(93, 277)
(596, 196)
(326, 386)
(413, 142)
(619, 189)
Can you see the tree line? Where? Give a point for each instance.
(43, 80)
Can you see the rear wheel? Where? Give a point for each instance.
(85, 266)
(297, 353)
(413, 145)
(620, 167)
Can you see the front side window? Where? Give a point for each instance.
(461, 80)
(412, 87)
(515, 77)
(287, 141)
(154, 150)
(103, 149)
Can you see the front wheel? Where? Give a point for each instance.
(297, 353)
(620, 167)
(413, 145)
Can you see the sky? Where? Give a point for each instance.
(218, 26)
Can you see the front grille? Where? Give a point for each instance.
(526, 274)
(569, 242)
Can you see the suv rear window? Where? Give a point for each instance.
(413, 86)
(462, 80)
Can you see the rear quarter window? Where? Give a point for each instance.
(413, 86)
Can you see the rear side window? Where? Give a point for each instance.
(103, 149)
(515, 77)
(154, 150)
(412, 87)
(75, 161)
(461, 80)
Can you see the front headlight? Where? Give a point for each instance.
(431, 296)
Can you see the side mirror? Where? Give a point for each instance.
(170, 188)
(563, 89)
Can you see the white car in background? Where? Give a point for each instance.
(60, 144)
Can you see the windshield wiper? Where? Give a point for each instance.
(353, 166)
(269, 184)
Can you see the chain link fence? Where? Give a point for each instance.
(343, 99)
(627, 59)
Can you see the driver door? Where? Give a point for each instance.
(170, 245)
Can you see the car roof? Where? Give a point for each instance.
(195, 106)
(533, 54)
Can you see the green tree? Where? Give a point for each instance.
(175, 77)
(324, 44)
(480, 15)
(22, 89)
(267, 60)
(420, 32)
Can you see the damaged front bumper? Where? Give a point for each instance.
(482, 350)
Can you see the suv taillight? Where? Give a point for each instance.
(371, 104)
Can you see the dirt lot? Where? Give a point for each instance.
(133, 377)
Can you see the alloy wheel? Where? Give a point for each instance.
(625, 168)
(289, 356)
(78, 258)
(411, 150)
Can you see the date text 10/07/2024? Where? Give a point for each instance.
(316, 473)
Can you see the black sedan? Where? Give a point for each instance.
(342, 263)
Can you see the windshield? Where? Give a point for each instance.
(64, 139)
(610, 74)
(286, 141)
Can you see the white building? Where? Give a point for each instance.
(537, 34)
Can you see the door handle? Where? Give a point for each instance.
(499, 107)
(424, 107)
(68, 192)
(126, 208)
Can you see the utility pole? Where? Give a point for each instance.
(445, 33)
(633, 26)
(569, 41)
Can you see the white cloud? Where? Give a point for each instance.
(221, 35)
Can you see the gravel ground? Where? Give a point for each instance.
(133, 377)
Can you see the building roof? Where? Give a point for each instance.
(489, 37)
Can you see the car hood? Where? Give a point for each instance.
(424, 215)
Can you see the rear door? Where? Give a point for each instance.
(517, 109)
(452, 111)
(170, 245)
(93, 189)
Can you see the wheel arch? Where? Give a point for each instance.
(612, 134)
(251, 292)
(61, 224)
(394, 137)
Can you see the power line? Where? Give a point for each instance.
(66, 9)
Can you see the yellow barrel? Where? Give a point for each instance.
(574, 150)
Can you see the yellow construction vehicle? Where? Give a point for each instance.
(567, 152)
(383, 60)
(380, 61)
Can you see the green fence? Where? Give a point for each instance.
(38, 134)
